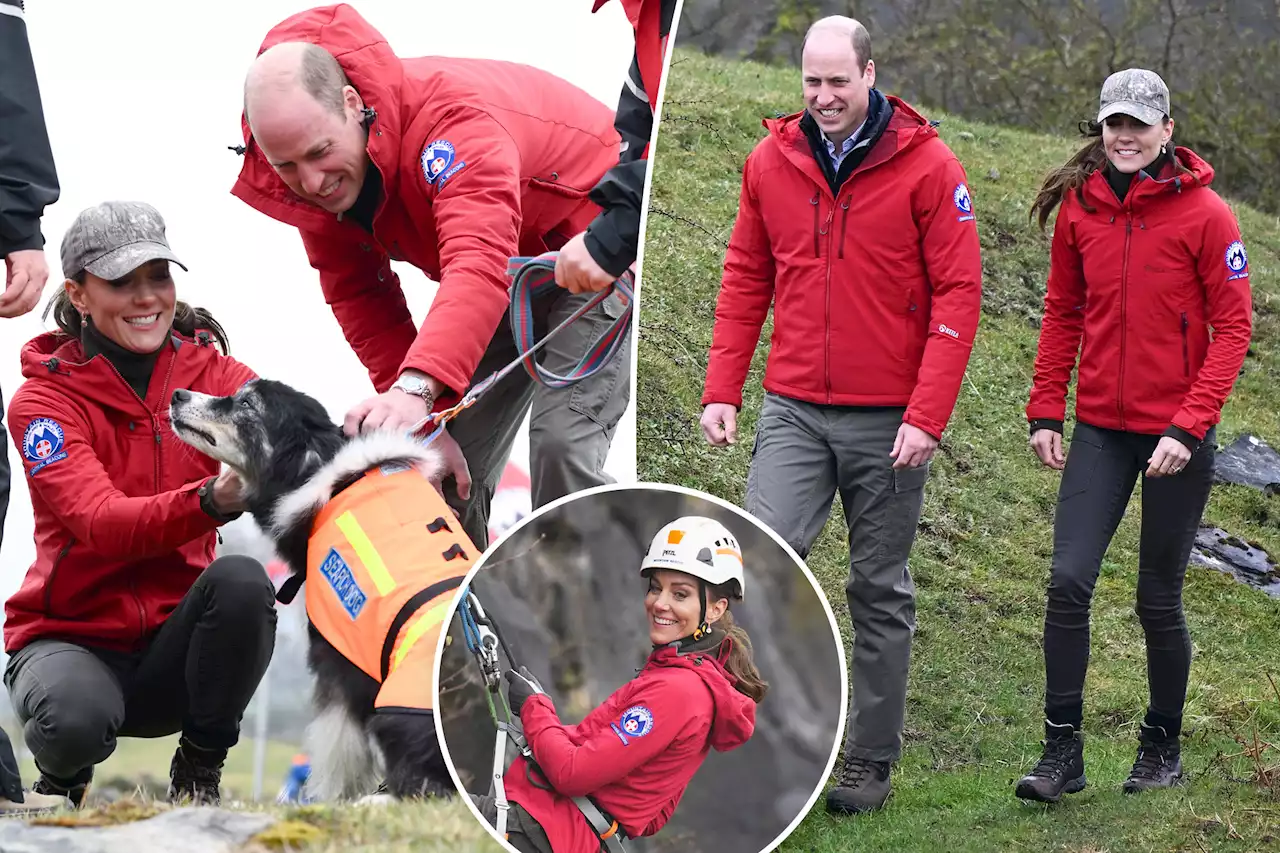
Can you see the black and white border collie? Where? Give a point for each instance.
(291, 456)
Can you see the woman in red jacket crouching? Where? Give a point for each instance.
(126, 625)
(630, 760)
(1145, 259)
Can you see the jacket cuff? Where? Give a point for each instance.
(1190, 441)
(1046, 423)
(34, 240)
(206, 503)
(615, 258)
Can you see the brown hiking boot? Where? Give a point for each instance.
(73, 794)
(861, 786)
(1061, 768)
(1159, 762)
(195, 775)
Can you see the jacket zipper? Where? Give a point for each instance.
(817, 253)
(1186, 362)
(844, 223)
(826, 349)
(1124, 289)
(53, 572)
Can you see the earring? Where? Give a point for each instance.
(84, 321)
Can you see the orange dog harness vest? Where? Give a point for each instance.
(383, 556)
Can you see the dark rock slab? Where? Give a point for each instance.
(1217, 549)
(1249, 461)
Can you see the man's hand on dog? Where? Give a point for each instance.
(521, 685)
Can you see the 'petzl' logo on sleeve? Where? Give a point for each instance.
(335, 570)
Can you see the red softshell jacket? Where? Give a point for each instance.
(512, 152)
(634, 754)
(876, 291)
(1141, 283)
(119, 532)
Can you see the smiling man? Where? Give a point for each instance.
(453, 165)
(855, 222)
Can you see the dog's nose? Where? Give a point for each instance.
(182, 395)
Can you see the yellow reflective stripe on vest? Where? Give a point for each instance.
(367, 553)
(417, 628)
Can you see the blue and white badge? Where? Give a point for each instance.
(436, 157)
(1237, 261)
(636, 721)
(963, 202)
(42, 443)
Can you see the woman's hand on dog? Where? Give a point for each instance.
(228, 493)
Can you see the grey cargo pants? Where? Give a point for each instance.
(570, 428)
(804, 454)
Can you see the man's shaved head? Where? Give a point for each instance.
(842, 25)
(294, 65)
(309, 123)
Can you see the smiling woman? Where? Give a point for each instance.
(610, 754)
(125, 625)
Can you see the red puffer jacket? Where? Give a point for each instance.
(481, 160)
(119, 532)
(1141, 283)
(635, 754)
(876, 291)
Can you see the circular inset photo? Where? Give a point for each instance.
(640, 668)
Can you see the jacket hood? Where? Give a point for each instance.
(1169, 180)
(373, 69)
(734, 713)
(56, 360)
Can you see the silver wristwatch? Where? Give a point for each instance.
(415, 385)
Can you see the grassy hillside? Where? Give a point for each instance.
(981, 559)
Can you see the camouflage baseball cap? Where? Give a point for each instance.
(113, 239)
(1135, 92)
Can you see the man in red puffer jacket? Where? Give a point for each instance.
(856, 223)
(452, 165)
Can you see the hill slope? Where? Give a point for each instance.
(982, 556)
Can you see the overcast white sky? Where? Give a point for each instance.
(142, 100)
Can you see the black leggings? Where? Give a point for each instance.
(1102, 466)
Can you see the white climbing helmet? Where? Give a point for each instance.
(699, 546)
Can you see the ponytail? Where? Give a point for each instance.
(739, 662)
(187, 321)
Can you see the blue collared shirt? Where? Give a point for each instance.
(837, 159)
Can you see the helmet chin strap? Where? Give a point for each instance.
(703, 628)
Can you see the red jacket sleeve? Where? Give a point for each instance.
(746, 291)
(1062, 326)
(79, 491)
(365, 296)
(953, 263)
(1230, 313)
(476, 204)
(578, 767)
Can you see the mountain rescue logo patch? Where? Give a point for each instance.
(436, 158)
(42, 443)
(636, 721)
(1237, 261)
(964, 204)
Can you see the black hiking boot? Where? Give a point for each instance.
(1159, 762)
(75, 792)
(195, 774)
(1060, 770)
(861, 786)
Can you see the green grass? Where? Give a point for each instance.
(981, 558)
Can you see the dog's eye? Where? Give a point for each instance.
(245, 404)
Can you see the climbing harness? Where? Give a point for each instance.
(483, 637)
(531, 277)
